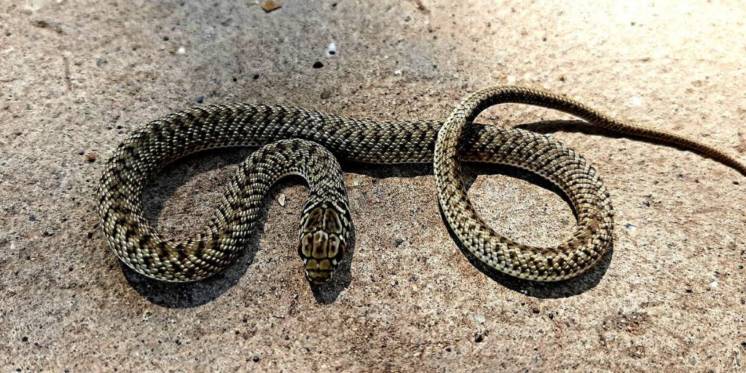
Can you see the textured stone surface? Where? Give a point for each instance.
(77, 76)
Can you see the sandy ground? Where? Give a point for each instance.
(77, 76)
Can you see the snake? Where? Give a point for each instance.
(290, 140)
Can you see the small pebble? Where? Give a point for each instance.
(318, 65)
(91, 156)
(200, 99)
(281, 200)
(270, 5)
(398, 242)
(181, 50)
(325, 94)
(331, 49)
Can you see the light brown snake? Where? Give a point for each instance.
(292, 140)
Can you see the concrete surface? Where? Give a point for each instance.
(77, 76)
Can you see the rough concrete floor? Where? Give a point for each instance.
(77, 76)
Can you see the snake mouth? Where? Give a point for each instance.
(319, 271)
(319, 277)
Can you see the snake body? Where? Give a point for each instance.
(292, 140)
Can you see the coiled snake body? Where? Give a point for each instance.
(297, 141)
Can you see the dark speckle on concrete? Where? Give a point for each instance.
(479, 337)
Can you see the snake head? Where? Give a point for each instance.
(325, 231)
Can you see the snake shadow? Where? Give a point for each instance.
(193, 294)
(587, 128)
(185, 295)
(545, 290)
(470, 171)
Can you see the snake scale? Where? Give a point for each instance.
(292, 140)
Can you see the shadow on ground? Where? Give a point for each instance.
(579, 126)
(180, 295)
(192, 294)
(560, 289)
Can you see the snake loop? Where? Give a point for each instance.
(537, 154)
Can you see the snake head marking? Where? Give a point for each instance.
(324, 237)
